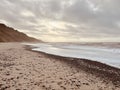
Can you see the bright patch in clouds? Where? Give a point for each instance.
(52, 24)
(27, 13)
(64, 20)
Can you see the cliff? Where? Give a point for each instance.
(8, 34)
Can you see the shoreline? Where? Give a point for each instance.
(108, 56)
(98, 69)
(21, 68)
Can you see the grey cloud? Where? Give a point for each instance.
(78, 12)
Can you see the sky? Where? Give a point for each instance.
(64, 20)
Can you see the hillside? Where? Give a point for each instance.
(8, 34)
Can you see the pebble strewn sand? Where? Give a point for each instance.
(22, 69)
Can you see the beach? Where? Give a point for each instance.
(23, 69)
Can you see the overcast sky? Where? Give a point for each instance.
(64, 20)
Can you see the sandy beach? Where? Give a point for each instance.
(23, 69)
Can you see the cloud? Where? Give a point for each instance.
(64, 20)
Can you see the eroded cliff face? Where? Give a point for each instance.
(8, 34)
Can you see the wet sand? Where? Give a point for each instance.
(23, 69)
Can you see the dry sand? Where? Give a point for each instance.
(22, 69)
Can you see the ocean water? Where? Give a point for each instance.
(107, 55)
